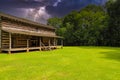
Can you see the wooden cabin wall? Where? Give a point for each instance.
(25, 27)
(19, 41)
(5, 40)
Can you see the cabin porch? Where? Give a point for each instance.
(20, 42)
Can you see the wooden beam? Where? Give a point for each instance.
(10, 42)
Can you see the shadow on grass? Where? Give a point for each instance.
(97, 47)
(113, 54)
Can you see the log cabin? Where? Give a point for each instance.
(19, 34)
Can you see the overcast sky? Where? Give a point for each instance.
(41, 10)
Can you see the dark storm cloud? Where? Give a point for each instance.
(66, 6)
(52, 8)
(20, 3)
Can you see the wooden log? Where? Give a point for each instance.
(10, 42)
(49, 44)
(27, 45)
(9, 52)
(27, 50)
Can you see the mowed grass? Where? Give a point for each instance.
(69, 63)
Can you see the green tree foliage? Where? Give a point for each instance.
(56, 22)
(86, 26)
(113, 9)
(93, 25)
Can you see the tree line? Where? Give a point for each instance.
(91, 26)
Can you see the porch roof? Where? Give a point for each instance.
(31, 33)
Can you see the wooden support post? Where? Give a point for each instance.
(27, 45)
(49, 45)
(40, 44)
(55, 46)
(10, 42)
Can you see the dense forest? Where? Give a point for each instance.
(91, 26)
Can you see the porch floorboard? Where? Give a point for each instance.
(30, 48)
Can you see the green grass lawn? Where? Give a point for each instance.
(69, 63)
